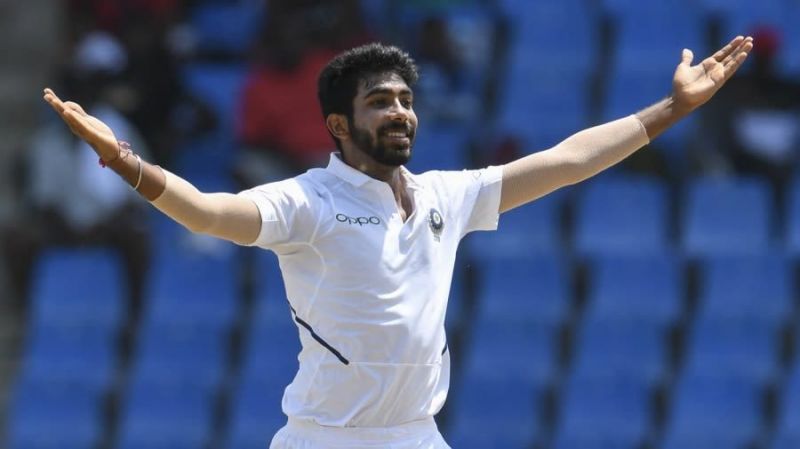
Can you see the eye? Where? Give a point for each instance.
(407, 103)
(380, 103)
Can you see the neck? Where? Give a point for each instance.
(389, 174)
(367, 165)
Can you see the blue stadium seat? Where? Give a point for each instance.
(458, 298)
(789, 53)
(610, 413)
(622, 215)
(77, 288)
(511, 351)
(270, 353)
(220, 87)
(376, 15)
(440, 147)
(491, 413)
(713, 412)
(793, 217)
(787, 435)
(632, 350)
(530, 291)
(752, 288)
(650, 36)
(648, 289)
(230, 28)
(172, 356)
(527, 231)
(673, 443)
(727, 216)
(736, 349)
(159, 418)
(188, 288)
(41, 417)
(255, 415)
(81, 359)
(269, 364)
(785, 440)
(542, 109)
(542, 104)
(269, 286)
(645, 58)
(564, 33)
(740, 17)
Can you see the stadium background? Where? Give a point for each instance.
(654, 306)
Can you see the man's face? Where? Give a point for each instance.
(384, 124)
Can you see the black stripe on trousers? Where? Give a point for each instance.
(318, 338)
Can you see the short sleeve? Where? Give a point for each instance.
(287, 215)
(472, 197)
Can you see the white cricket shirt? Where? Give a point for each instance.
(369, 291)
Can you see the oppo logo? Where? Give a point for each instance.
(361, 221)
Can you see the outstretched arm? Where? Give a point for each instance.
(222, 215)
(593, 150)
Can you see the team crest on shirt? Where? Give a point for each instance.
(436, 223)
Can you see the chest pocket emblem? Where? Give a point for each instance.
(436, 223)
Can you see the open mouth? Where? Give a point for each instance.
(398, 136)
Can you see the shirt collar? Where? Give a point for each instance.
(358, 178)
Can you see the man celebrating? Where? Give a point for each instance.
(367, 248)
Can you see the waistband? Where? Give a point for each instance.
(345, 435)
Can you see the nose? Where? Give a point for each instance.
(398, 112)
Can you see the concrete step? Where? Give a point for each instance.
(34, 27)
(12, 330)
(22, 97)
(5, 401)
(13, 142)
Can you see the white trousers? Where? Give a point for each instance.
(300, 434)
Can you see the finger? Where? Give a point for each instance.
(740, 55)
(728, 49)
(70, 117)
(745, 45)
(75, 107)
(734, 64)
(687, 56)
(76, 123)
(51, 98)
(49, 91)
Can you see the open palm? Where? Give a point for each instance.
(694, 85)
(93, 131)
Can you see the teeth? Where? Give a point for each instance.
(396, 134)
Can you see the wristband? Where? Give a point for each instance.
(139, 178)
(123, 150)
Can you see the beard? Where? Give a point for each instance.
(393, 154)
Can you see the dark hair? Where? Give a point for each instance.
(338, 82)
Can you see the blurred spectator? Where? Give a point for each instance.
(281, 126)
(756, 119)
(151, 33)
(110, 15)
(71, 200)
(161, 108)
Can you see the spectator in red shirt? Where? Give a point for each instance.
(280, 126)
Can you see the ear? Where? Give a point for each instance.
(338, 126)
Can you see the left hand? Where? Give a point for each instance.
(694, 85)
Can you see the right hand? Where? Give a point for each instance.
(96, 133)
